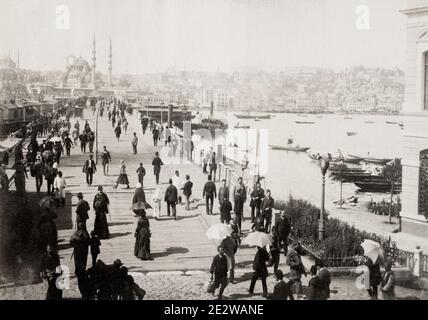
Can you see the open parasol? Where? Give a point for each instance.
(219, 231)
(258, 238)
(373, 250)
(55, 139)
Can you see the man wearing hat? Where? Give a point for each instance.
(282, 230)
(37, 172)
(89, 168)
(82, 209)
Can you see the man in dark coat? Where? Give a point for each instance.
(89, 168)
(141, 172)
(281, 290)
(230, 246)
(118, 131)
(256, 201)
(68, 144)
(218, 272)
(50, 174)
(209, 193)
(157, 163)
(223, 192)
(267, 207)
(37, 171)
(225, 209)
(80, 241)
(260, 270)
(83, 140)
(49, 267)
(171, 198)
(187, 191)
(155, 133)
(282, 230)
(239, 197)
(314, 286)
(82, 209)
(324, 279)
(100, 205)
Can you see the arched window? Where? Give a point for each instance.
(426, 80)
(423, 183)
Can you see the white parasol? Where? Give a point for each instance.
(373, 250)
(219, 231)
(258, 238)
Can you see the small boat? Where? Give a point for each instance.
(319, 117)
(313, 156)
(347, 160)
(377, 185)
(257, 120)
(391, 122)
(305, 122)
(354, 156)
(351, 133)
(347, 118)
(380, 161)
(369, 121)
(248, 116)
(290, 148)
(238, 126)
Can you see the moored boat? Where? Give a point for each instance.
(305, 122)
(351, 133)
(380, 185)
(380, 161)
(248, 116)
(289, 148)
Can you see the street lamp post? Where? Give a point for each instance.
(96, 136)
(324, 163)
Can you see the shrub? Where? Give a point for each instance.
(341, 245)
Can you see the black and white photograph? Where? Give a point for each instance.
(218, 150)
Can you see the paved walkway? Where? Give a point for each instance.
(182, 253)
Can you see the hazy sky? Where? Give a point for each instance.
(208, 35)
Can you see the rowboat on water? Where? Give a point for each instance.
(347, 118)
(351, 133)
(289, 148)
(369, 121)
(379, 185)
(248, 116)
(391, 122)
(305, 122)
(238, 126)
(380, 161)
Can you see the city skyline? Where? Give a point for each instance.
(207, 35)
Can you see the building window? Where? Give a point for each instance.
(423, 183)
(426, 81)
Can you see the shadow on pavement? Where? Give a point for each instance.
(118, 234)
(170, 251)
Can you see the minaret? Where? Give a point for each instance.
(93, 62)
(110, 63)
(17, 65)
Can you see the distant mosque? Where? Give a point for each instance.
(80, 77)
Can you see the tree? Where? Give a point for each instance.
(392, 173)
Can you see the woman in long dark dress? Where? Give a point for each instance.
(101, 202)
(142, 240)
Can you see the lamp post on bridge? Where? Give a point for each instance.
(324, 163)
